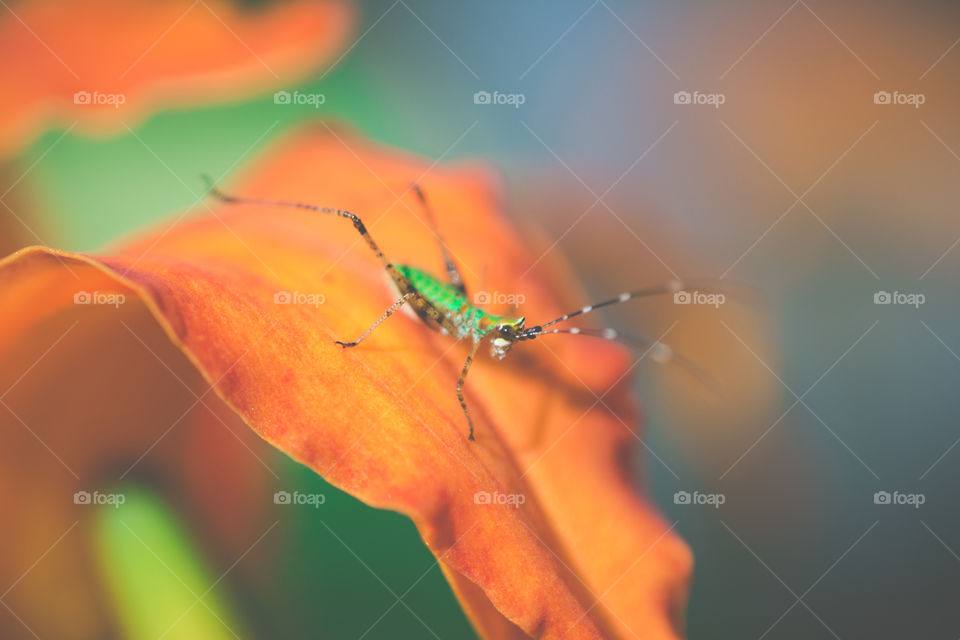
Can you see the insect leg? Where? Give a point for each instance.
(463, 377)
(386, 314)
(402, 283)
(453, 274)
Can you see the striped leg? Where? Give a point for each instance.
(463, 377)
(453, 274)
(386, 314)
(402, 283)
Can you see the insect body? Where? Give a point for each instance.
(444, 306)
(461, 318)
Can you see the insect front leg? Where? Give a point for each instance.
(463, 377)
(386, 314)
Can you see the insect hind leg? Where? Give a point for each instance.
(453, 273)
(402, 283)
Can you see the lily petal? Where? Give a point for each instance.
(581, 555)
(101, 65)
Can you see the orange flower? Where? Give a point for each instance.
(536, 524)
(103, 64)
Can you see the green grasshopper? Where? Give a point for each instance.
(444, 306)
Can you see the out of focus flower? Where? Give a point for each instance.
(102, 65)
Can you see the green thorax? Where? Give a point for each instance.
(464, 317)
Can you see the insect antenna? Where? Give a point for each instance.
(672, 286)
(658, 351)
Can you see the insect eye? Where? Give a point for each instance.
(504, 332)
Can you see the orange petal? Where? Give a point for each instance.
(14, 213)
(584, 556)
(70, 399)
(153, 54)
